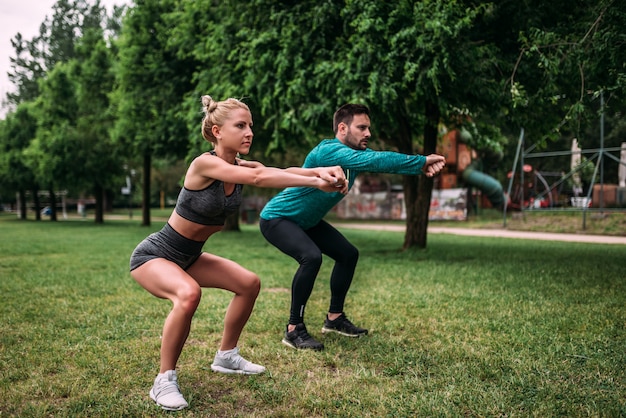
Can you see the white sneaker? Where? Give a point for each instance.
(166, 392)
(231, 362)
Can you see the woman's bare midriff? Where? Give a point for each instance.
(192, 230)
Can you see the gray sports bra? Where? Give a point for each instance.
(209, 206)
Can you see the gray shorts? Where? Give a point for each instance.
(167, 244)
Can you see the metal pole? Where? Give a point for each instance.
(601, 151)
(522, 181)
(508, 192)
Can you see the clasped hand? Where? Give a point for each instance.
(335, 177)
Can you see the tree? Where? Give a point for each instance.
(53, 153)
(559, 59)
(16, 133)
(26, 70)
(70, 148)
(565, 57)
(151, 85)
(100, 162)
(54, 43)
(409, 61)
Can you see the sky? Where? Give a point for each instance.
(25, 17)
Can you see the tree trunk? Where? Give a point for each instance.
(418, 204)
(145, 193)
(99, 209)
(410, 185)
(53, 205)
(37, 203)
(23, 211)
(107, 205)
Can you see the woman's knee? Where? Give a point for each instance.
(188, 297)
(253, 284)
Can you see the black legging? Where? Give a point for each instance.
(307, 247)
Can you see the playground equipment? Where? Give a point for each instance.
(597, 196)
(530, 188)
(485, 183)
(462, 164)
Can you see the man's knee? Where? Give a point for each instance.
(311, 258)
(350, 254)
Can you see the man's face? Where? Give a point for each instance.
(358, 133)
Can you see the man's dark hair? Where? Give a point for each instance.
(346, 113)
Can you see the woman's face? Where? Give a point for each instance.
(236, 132)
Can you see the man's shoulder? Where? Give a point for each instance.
(329, 143)
(324, 147)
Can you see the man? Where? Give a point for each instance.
(292, 220)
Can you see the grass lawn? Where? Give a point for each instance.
(480, 327)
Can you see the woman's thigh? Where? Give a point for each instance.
(164, 279)
(217, 272)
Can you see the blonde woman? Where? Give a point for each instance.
(170, 263)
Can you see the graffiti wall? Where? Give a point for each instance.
(446, 204)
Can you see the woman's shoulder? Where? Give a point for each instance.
(206, 155)
(197, 173)
(205, 158)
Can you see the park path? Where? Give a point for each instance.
(495, 233)
(473, 232)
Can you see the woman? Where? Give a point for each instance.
(170, 263)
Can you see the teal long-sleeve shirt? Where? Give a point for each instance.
(306, 206)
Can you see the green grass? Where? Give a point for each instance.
(468, 327)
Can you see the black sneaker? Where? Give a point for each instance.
(343, 326)
(299, 338)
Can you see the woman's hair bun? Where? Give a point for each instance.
(208, 104)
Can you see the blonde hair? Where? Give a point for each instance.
(216, 113)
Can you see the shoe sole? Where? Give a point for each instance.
(291, 345)
(167, 408)
(224, 370)
(345, 334)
